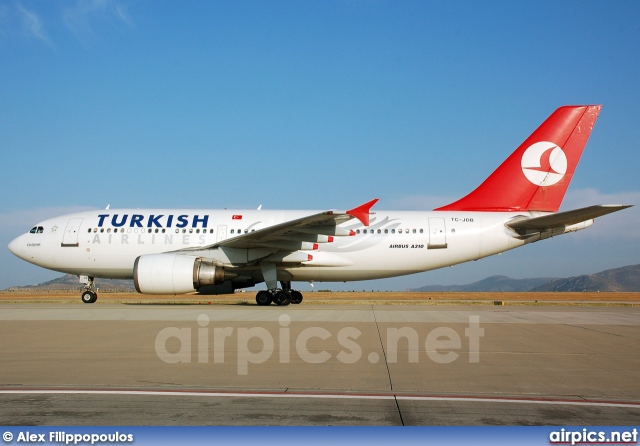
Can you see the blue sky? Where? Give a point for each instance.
(313, 105)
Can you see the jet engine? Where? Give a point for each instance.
(175, 274)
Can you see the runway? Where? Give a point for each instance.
(318, 365)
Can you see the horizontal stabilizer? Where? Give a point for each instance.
(565, 218)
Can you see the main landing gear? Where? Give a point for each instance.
(282, 297)
(90, 295)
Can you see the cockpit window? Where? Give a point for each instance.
(36, 230)
(33, 230)
(40, 230)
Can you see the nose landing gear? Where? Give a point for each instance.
(90, 295)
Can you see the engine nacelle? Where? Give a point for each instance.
(174, 274)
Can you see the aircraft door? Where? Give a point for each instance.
(437, 233)
(222, 233)
(70, 236)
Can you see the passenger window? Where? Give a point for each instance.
(414, 231)
(101, 229)
(232, 231)
(421, 231)
(33, 231)
(386, 231)
(379, 231)
(393, 231)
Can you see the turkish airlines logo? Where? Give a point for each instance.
(544, 163)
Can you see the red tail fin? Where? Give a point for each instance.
(537, 174)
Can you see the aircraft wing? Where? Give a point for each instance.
(566, 218)
(323, 223)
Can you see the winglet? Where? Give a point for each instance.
(362, 212)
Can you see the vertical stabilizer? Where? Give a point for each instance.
(536, 176)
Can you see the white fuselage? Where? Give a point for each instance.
(105, 243)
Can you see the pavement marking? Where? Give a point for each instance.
(328, 395)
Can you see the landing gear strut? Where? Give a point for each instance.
(90, 295)
(282, 297)
(296, 296)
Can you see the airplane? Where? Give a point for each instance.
(180, 251)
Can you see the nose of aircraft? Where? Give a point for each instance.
(15, 247)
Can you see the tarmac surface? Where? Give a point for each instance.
(318, 365)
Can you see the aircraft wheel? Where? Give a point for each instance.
(296, 297)
(282, 298)
(89, 297)
(263, 298)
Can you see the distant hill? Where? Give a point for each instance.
(493, 283)
(70, 282)
(626, 278)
